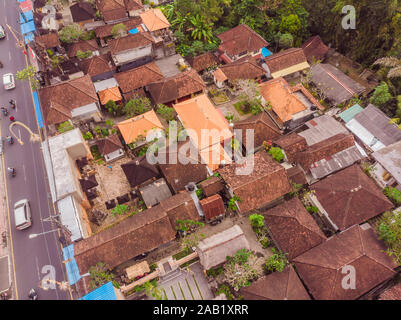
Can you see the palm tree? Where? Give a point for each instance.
(391, 62)
(180, 21)
(201, 29)
(169, 10)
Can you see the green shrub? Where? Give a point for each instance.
(257, 220)
(265, 242)
(200, 194)
(88, 135)
(119, 209)
(393, 194)
(65, 126)
(312, 209)
(276, 153)
(215, 272)
(226, 290)
(389, 230)
(276, 262)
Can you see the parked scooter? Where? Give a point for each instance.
(4, 110)
(33, 295)
(11, 171)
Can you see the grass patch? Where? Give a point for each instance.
(182, 254)
(95, 152)
(186, 264)
(214, 272)
(237, 107)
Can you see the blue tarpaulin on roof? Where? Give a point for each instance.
(28, 38)
(350, 113)
(105, 292)
(26, 16)
(71, 266)
(27, 27)
(266, 52)
(38, 112)
(133, 31)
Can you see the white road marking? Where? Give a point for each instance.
(24, 169)
(19, 133)
(37, 267)
(6, 18)
(9, 55)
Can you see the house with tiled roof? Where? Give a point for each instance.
(392, 293)
(284, 285)
(291, 106)
(203, 61)
(134, 47)
(98, 67)
(334, 84)
(292, 228)
(108, 94)
(207, 128)
(327, 269)
(291, 144)
(154, 20)
(314, 49)
(134, 7)
(114, 11)
(287, 62)
(82, 12)
(258, 182)
(70, 100)
(48, 41)
(103, 33)
(137, 128)
(84, 46)
(176, 88)
(239, 42)
(239, 70)
(348, 197)
(133, 82)
(110, 148)
(264, 129)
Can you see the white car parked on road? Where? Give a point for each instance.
(8, 81)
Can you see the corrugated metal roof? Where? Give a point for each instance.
(69, 217)
(366, 137)
(105, 292)
(71, 266)
(350, 113)
(390, 158)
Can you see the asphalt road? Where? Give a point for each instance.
(30, 256)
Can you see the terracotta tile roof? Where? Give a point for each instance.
(247, 69)
(286, 62)
(178, 175)
(85, 45)
(219, 75)
(264, 129)
(109, 94)
(112, 9)
(139, 170)
(268, 181)
(97, 65)
(314, 48)
(154, 20)
(48, 41)
(199, 114)
(350, 197)
(393, 293)
(108, 145)
(139, 77)
(105, 31)
(211, 186)
(293, 228)
(82, 11)
(180, 207)
(324, 149)
(296, 175)
(283, 285)
(176, 87)
(129, 42)
(212, 207)
(292, 144)
(280, 95)
(133, 4)
(143, 232)
(143, 124)
(239, 39)
(203, 61)
(58, 100)
(322, 267)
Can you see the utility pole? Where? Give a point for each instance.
(56, 220)
(19, 42)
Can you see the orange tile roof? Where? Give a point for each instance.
(134, 127)
(109, 94)
(199, 115)
(154, 19)
(219, 75)
(284, 103)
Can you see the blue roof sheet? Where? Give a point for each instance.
(28, 38)
(133, 31)
(27, 27)
(40, 123)
(266, 52)
(105, 292)
(350, 113)
(71, 266)
(26, 16)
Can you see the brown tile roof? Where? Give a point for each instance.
(211, 186)
(97, 65)
(105, 31)
(48, 41)
(283, 285)
(268, 181)
(203, 61)
(180, 207)
(154, 20)
(176, 87)
(85, 45)
(139, 170)
(58, 100)
(293, 228)
(129, 42)
(109, 94)
(212, 206)
(179, 175)
(247, 69)
(133, 4)
(239, 39)
(264, 129)
(108, 145)
(138, 234)
(139, 77)
(322, 267)
(324, 149)
(112, 9)
(394, 293)
(296, 175)
(314, 48)
(285, 59)
(350, 197)
(82, 11)
(292, 144)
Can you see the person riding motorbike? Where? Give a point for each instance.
(12, 119)
(10, 139)
(11, 170)
(4, 110)
(32, 294)
(12, 103)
